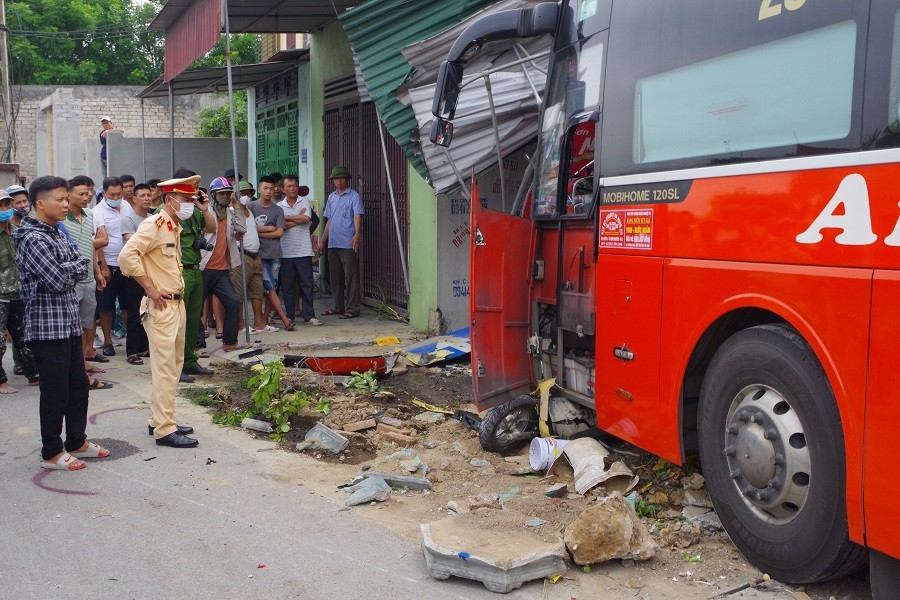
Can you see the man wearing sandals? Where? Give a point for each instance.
(49, 269)
(152, 257)
(344, 211)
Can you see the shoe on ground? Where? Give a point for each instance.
(185, 378)
(108, 350)
(182, 429)
(176, 440)
(198, 370)
(314, 321)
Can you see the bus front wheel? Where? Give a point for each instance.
(772, 451)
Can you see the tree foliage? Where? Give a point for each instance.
(97, 42)
(83, 42)
(216, 122)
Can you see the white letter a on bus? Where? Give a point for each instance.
(855, 223)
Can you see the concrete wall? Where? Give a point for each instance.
(208, 157)
(57, 128)
(329, 57)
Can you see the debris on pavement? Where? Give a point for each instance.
(257, 425)
(585, 460)
(557, 490)
(326, 438)
(609, 529)
(434, 350)
(370, 489)
(360, 425)
(492, 547)
(401, 481)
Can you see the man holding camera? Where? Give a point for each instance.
(192, 241)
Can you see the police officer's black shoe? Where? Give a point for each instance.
(176, 440)
(185, 378)
(198, 370)
(182, 429)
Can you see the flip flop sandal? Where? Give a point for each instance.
(97, 358)
(94, 370)
(144, 354)
(349, 315)
(204, 354)
(269, 329)
(332, 312)
(134, 359)
(18, 370)
(100, 385)
(66, 462)
(93, 451)
(219, 335)
(289, 326)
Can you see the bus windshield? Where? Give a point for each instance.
(574, 88)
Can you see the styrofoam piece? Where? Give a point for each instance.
(502, 560)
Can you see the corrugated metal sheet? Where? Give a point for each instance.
(401, 82)
(377, 30)
(263, 16)
(191, 35)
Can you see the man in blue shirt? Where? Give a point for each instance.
(344, 211)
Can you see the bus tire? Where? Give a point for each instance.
(772, 451)
(508, 425)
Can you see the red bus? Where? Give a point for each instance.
(717, 279)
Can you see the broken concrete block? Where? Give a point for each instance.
(694, 482)
(457, 447)
(698, 498)
(557, 490)
(483, 501)
(257, 425)
(609, 529)
(492, 547)
(691, 511)
(429, 417)
(391, 421)
(370, 489)
(480, 462)
(326, 438)
(401, 481)
(404, 441)
(535, 522)
(430, 444)
(360, 425)
(410, 465)
(454, 507)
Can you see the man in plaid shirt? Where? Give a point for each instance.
(49, 268)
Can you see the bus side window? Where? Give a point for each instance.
(580, 185)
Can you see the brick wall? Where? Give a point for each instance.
(83, 106)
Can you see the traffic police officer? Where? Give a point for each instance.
(152, 257)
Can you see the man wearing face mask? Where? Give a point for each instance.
(198, 222)
(216, 263)
(12, 309)
(253, 270)
(20, 205)
(152, 257)
(109, 214)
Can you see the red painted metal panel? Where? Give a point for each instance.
(501, 250)
(882, 513)
(192, 35)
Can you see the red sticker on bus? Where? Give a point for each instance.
(627, 229)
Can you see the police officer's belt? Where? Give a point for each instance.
(173, 297)
(251, 254)
(197, 267)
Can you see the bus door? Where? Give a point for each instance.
(502, 250)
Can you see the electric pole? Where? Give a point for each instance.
(8, 136)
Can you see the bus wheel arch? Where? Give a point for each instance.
(771, 446)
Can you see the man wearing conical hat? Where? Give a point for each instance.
(344, 211)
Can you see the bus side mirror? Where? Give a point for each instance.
(441, 132)
(446, 94)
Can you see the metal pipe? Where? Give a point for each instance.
(490, 94)
(459, 177)
(387, 171)
(143, 142)
(237, 179)
(172, 125)
(537, 95)
(523, 188)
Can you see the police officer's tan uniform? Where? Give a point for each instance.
(154, 251)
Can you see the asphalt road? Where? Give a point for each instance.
(155, 522)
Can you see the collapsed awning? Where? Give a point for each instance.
(215, 79)
(401, 82)
(192, 27)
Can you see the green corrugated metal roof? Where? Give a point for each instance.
(378, 30)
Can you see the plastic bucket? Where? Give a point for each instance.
(543, 452)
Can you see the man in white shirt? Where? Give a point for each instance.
(297, 250)
(109, 213)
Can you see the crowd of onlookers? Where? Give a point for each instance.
(241, 244)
